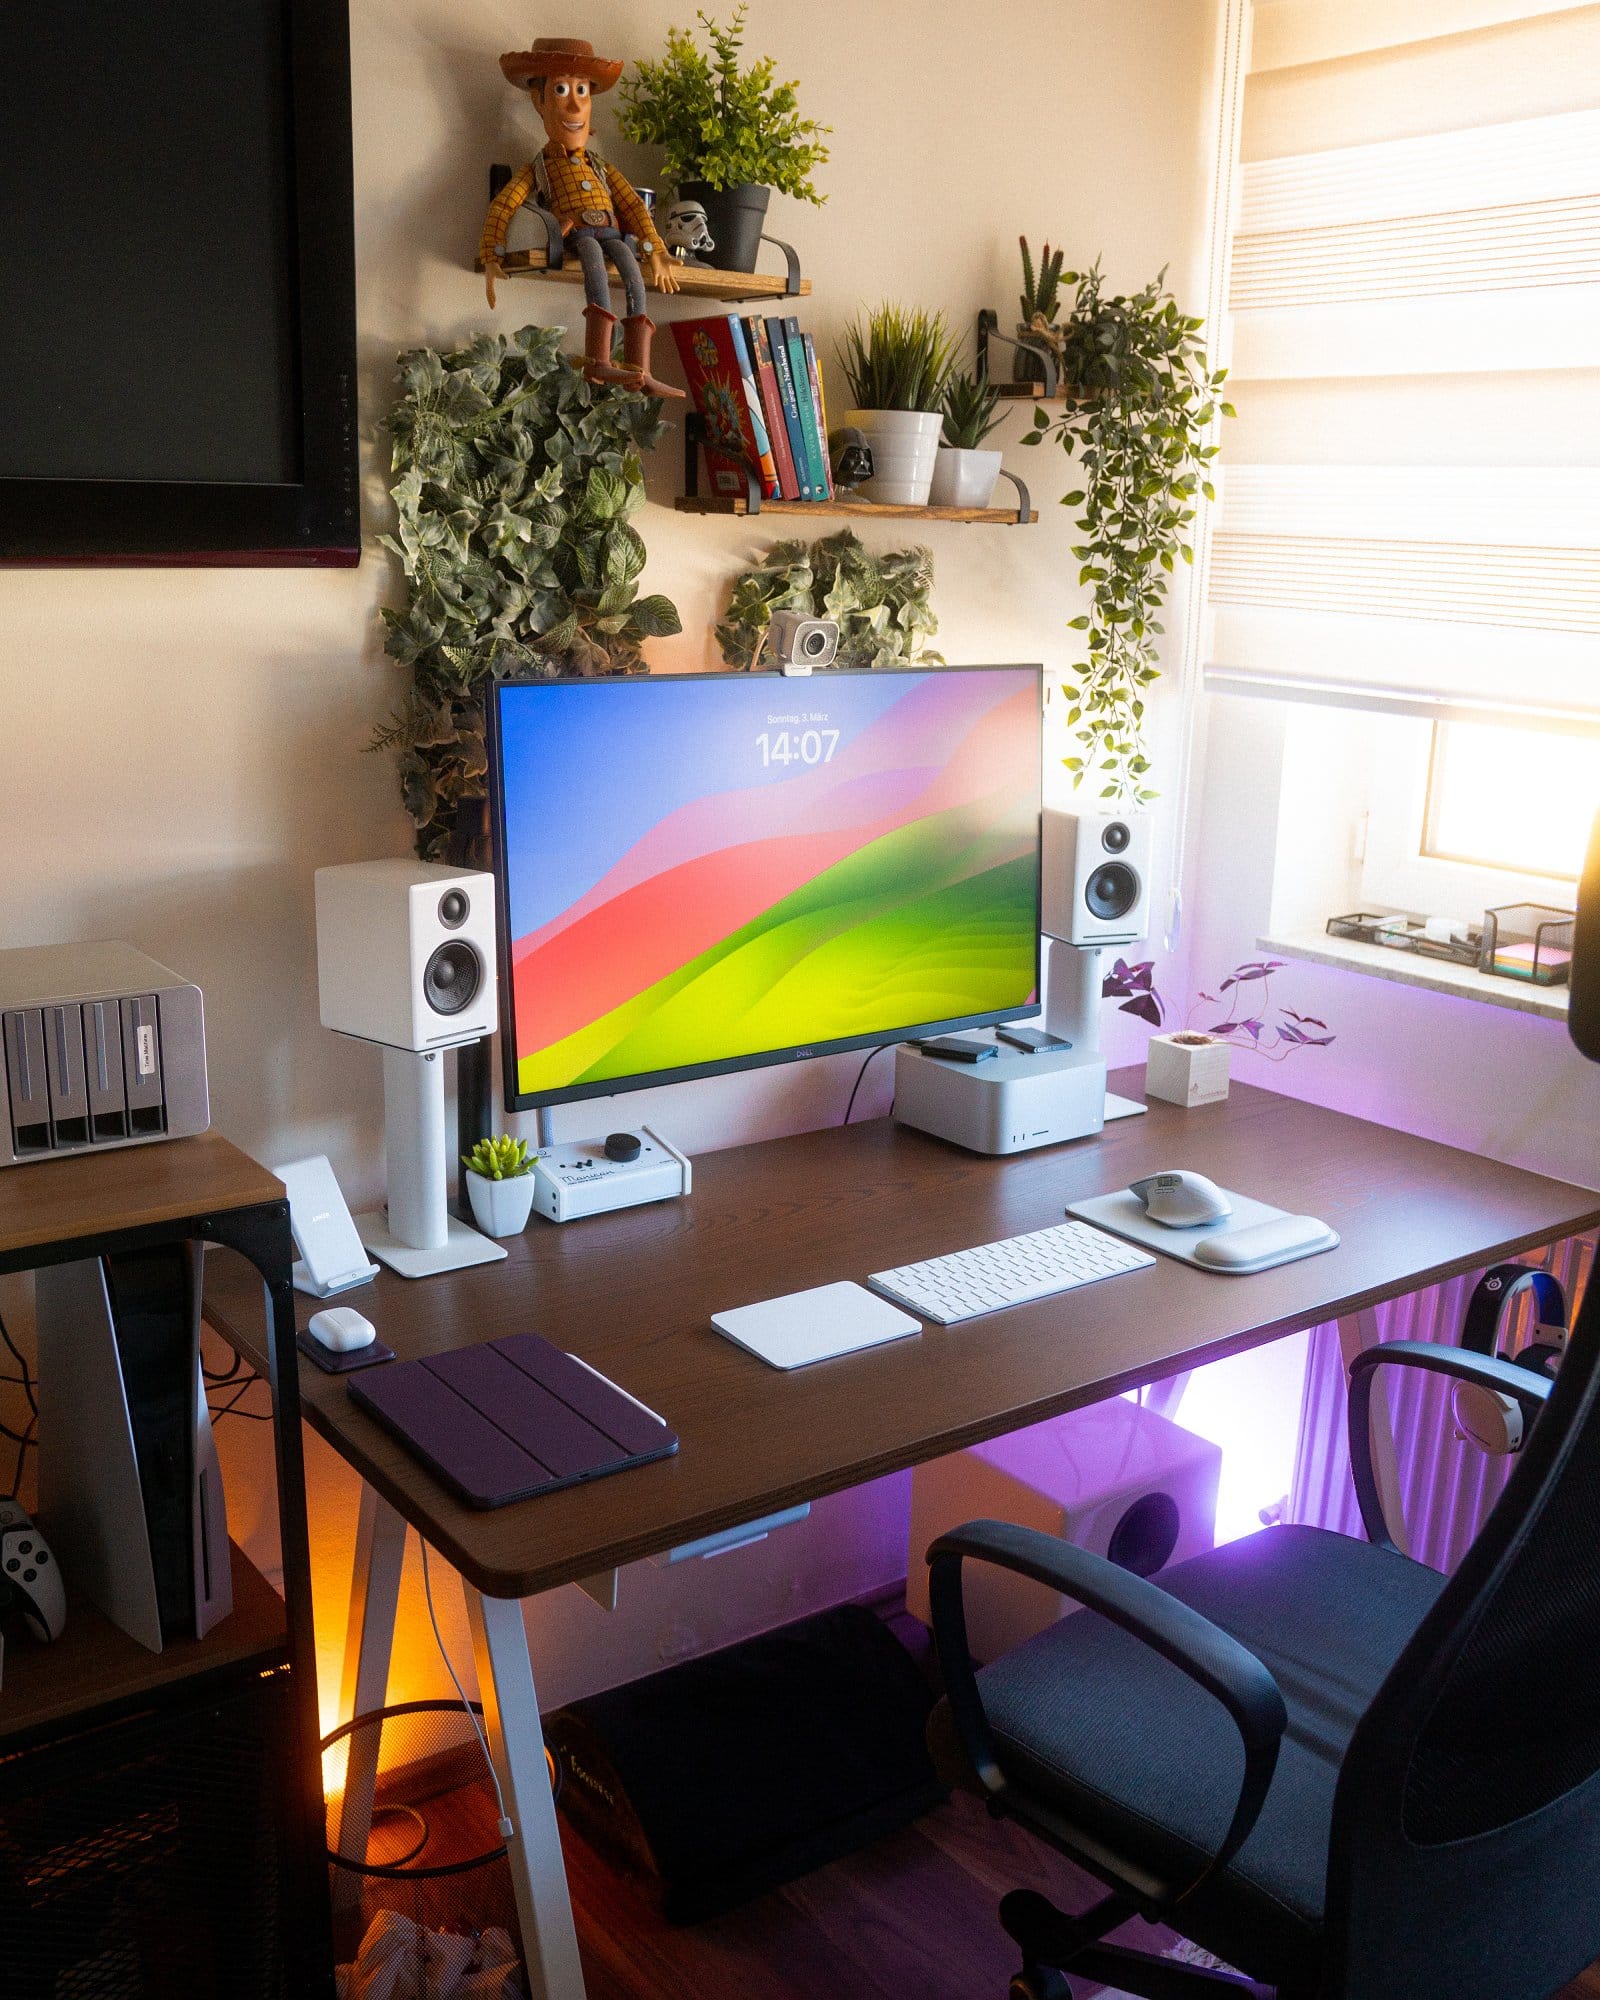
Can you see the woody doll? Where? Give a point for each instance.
(592, 202)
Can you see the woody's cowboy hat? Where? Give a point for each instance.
(559, 55)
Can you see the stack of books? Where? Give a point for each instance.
(758, 387)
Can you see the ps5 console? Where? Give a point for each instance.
(128, 1475)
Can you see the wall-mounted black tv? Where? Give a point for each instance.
(177, 283)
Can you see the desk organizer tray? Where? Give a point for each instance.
(1255, 1237)
(512, 1418)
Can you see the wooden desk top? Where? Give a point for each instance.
(633, 1293)
(130, 1187)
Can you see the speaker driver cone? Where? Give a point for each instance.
(451, 978)
(1111, 891)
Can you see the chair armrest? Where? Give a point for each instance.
(1504, 1377)
(1210, 1657)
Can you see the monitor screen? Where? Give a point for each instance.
(701, 872)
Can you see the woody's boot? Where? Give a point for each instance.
(637, 332)
(598, 325)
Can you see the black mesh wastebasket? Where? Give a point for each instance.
(433, 1855)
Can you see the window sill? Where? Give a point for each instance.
(1434, 975)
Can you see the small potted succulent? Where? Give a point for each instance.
(964, 474)
(500, 1184)
(730, 136)
(897, 366)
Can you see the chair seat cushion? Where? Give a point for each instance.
(1109, 1733)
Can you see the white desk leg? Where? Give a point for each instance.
(516, 1742)
(1356, 1332)
(368, 1643)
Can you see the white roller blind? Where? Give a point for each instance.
(1438, 280)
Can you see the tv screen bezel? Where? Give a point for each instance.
(315, 520)
(517, 1100)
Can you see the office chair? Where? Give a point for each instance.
(1329, 1766)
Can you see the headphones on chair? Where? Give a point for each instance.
(1484, 1417)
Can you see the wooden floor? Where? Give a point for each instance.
(909, 1918)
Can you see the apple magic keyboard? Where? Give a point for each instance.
(1008, 1273)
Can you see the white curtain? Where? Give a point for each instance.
(1410, 497)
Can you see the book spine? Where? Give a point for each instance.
(791, 406)
(808, 415)
(761, 459)
(711, 366)
(755, 333)
(819, 404)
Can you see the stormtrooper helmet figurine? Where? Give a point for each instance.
(686, 232)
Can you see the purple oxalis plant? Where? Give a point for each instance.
(1252, 1020)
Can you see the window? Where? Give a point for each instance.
(1520, 799)
(1409, 521)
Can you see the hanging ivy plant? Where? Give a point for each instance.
(514, 482)
(1141, 397)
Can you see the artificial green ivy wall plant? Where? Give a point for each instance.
(882, 602)
(514, 481)
(1141, 397)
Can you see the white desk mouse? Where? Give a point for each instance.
(341, 1329)
(1181, 1200)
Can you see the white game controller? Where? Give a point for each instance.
(30, 1580)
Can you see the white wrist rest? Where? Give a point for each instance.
(1260, 1245)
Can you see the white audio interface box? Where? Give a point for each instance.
(594, 1176)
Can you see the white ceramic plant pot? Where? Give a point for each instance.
(500, 1208)
(964, 477)
(1186, 1068)
(904, 445)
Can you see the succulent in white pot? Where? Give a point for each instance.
(964, 474)
(499, 1175)
(897, 366)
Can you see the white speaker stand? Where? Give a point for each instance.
(417, 1235)
(1072, 1007)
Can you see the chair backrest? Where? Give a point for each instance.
(1465, 1860)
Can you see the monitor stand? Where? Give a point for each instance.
(416, 1234)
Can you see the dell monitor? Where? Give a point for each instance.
(707, 872)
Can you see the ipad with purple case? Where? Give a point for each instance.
(512, 1418)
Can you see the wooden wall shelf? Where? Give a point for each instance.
(999, 517)
(694, 281)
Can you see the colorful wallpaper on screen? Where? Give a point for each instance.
(706, 869)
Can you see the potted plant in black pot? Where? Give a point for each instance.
(730, 136)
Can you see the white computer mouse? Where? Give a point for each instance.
(1180, 1199)
(341, 1329)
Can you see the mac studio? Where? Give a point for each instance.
(800, 1242)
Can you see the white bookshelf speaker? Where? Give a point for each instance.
(1095, 877)
(406, 958)
(405, 953)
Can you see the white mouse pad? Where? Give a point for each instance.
(1231, 1245)
(817, 1325)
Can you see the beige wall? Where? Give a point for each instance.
(182, 748)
